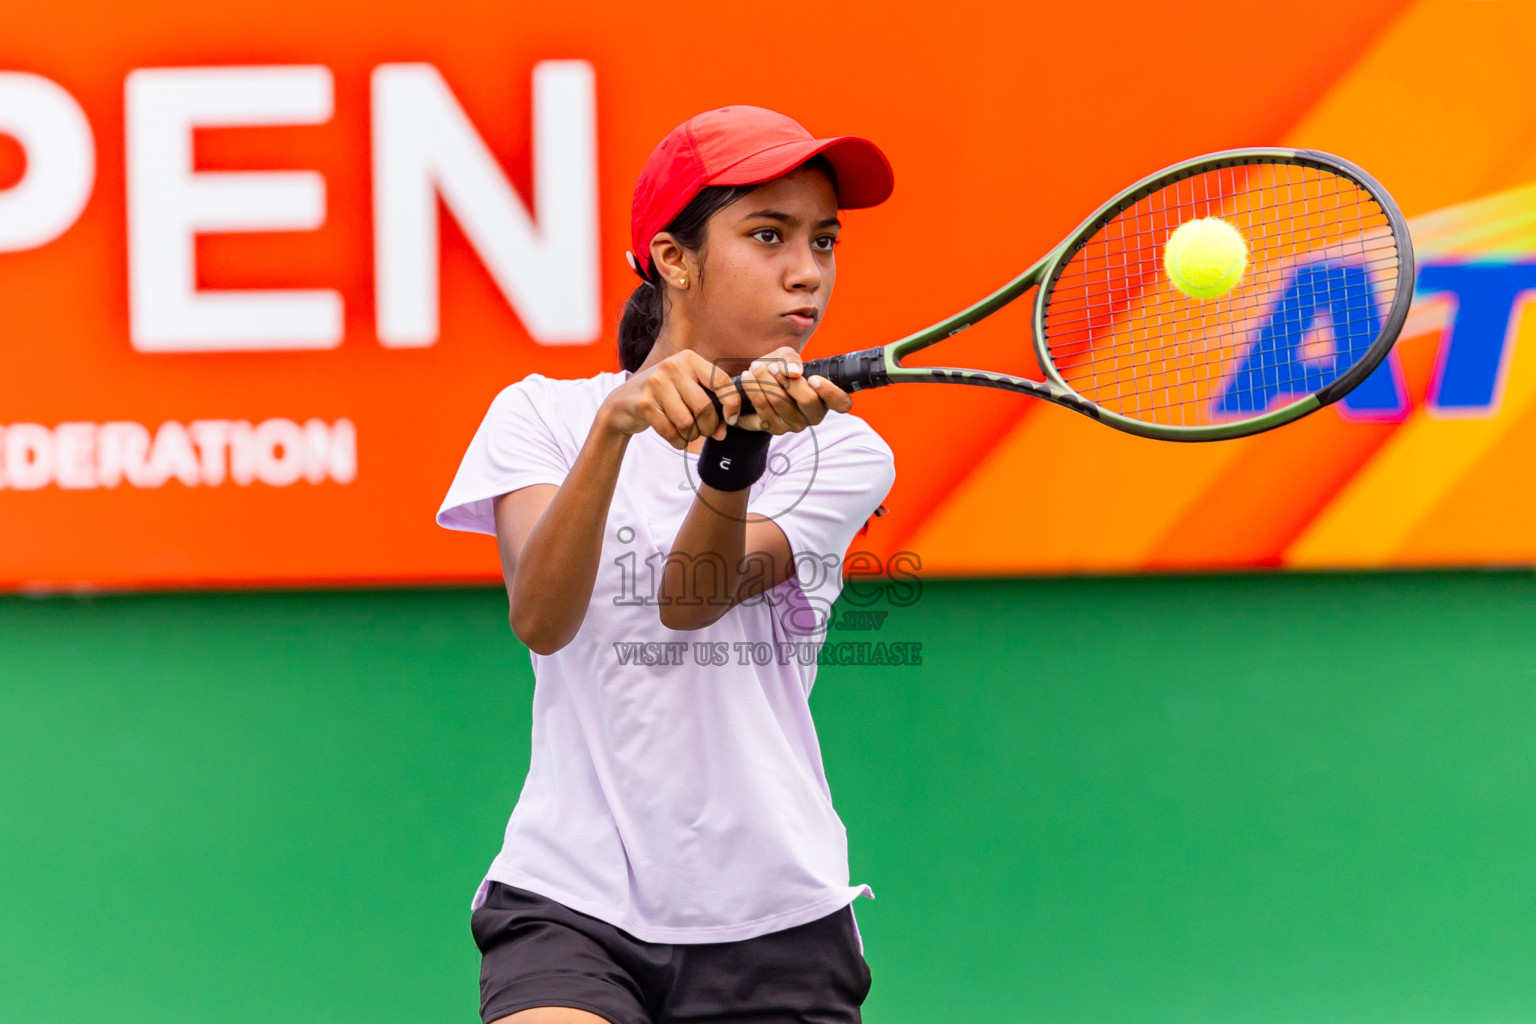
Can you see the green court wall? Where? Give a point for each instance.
(1273, 799)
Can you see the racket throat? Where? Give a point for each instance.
(1006, 382)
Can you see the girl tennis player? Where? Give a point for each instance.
(674, 854)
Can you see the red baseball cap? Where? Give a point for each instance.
(744, 146)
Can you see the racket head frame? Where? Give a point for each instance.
(1044, 274)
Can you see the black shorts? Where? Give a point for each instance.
(536, 952)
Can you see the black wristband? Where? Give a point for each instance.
(737, 462)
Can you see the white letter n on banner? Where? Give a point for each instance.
(425, 146)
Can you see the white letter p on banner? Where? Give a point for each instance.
(61, 161)
(425, 146)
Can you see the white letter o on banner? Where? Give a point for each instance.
(272, 468)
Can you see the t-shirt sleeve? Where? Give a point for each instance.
(515, 446)
(821, 498)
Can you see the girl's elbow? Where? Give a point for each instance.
(534, 635)
(687, 617)
(674, 617)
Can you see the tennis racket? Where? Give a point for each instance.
(1327, 288)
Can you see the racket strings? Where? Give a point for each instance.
(1156, 212)
(1248, 303)
(1323, 268)
(1152, 351)
(1120, 276)
(1084, 357)
(1158, 226)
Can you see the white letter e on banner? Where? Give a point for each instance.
(169, 204)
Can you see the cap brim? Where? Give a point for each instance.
(864, 176)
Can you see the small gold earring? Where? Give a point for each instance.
(682, 282)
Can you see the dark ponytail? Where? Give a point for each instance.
(639, 325)
(646, 309)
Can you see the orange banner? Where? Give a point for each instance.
(263, 267)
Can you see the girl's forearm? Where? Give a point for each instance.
(558, 564)
(704, 568)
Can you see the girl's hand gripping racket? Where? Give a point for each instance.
(1307, 270)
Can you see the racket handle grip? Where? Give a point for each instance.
(853, 371)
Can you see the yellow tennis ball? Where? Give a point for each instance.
(1205, 258)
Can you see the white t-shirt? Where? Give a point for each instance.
(677, 798)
